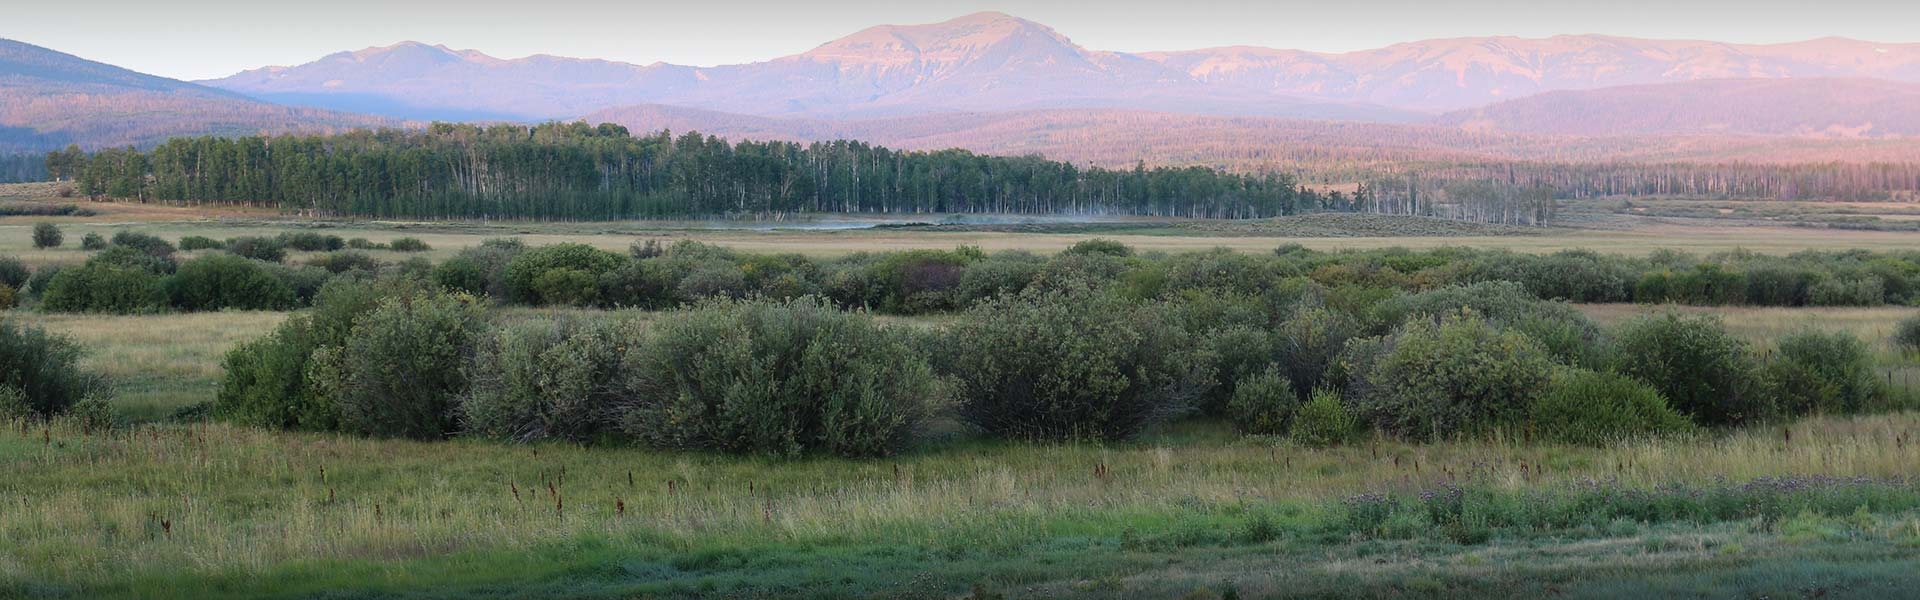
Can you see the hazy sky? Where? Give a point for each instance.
(195, 39)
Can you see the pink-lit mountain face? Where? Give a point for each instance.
(1810, 107)
(1469, 72)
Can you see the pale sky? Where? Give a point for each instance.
(198, 39)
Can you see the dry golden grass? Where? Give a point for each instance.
(156, 362)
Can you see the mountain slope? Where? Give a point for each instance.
(985, 61)
(49, 99)
(1460, 73)
(1836, 108)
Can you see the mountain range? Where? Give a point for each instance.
(49, 99)
(996, 62)
(991, 82)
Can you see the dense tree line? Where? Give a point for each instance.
(20, 168)
(1865, 182)
(574, 171)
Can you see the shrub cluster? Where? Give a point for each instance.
(39, 372)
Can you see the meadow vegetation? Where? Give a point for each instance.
(688, 419)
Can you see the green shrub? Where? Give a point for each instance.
(1000, 274)
(93, 241)
(105, 288)
(305, 281)
(310, 241)
(1461, 376)
(1847, 291)
(1234, 354)
(47, 235)
(1704, 372)
(225, 281)
(144, 242)
(461, 274)
(572, 287)
(265, 382)
(712, 280)
(13, 404)
(641, 284)
(363, 244)
(407, 244)
(14, 273)
(1263, 404)
(1069, 364)
(401, 371)
(1307, 344)
(1566, 332)
(200, 242)
(43, 369)
(1819, 372)
(525, 269)
(132, 258)
(258, 248)
(41, 278)
(93, 413)
(543, 380)
(1322, 421)
(1596, 408)
(777, 377)
(346, 260)
(1906, 335)
(9, 298)
(1099, 246)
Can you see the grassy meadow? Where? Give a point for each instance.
(1826, 507)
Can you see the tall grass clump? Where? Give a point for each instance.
(777, 377)
(1070, 364)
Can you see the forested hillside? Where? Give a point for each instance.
(575, 171)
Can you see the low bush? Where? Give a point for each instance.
(42, 370)
(1572, 337)
(1263, 404)
(407, 244)
(1704, 372)
(1234, 354)
(38, 283)
(309, 241)
(1819, 372)
(1906, 335)
(105, 287)
(544, 380)
(225, 281)
(47, 235)
(401, 371)
(346, 260)
(1461, 376)
(200, 242)
(1070, 364)
(93, 241)
(258, 248)
(782, 378)
(363, 244)
(1307, 343)
(144, 242)
(265, 382)
(524, 270)
(9, 297)
(14, 273)
(1598, 408)
(1847, 291)
(1100, 246)
(1322, 421)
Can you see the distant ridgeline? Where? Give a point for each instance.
(572, 171)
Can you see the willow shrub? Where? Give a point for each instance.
(401, 371)
(221, 281)
(1460, 376)
(1070, 364)
(1263, 403)
(1596, 408)
(543, 379)
(1704, 372)
(41, 370)
(776, 377)
(1820, 372)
